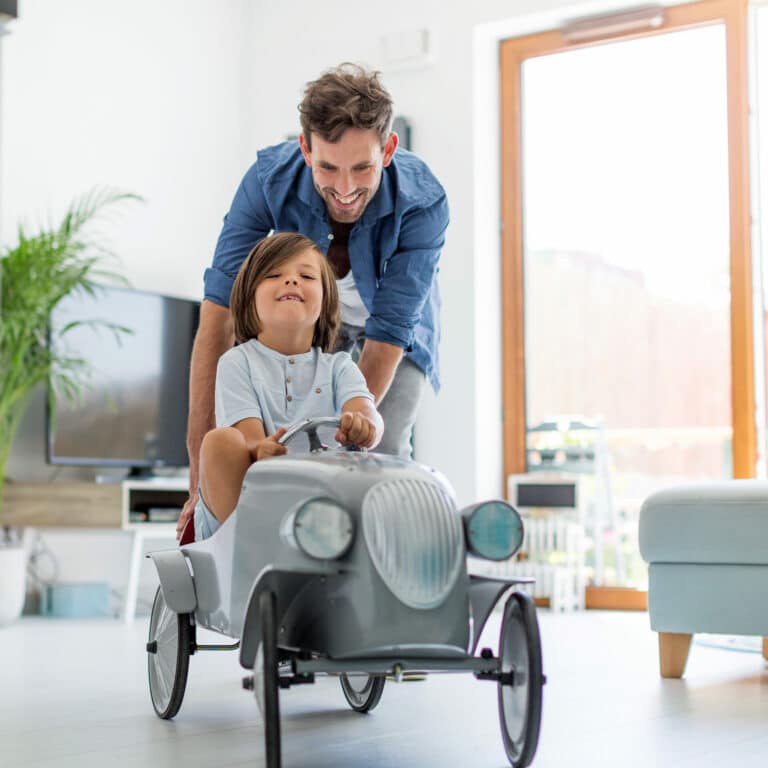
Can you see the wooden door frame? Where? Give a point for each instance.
(734, 15)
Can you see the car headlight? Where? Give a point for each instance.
(320, 528)
(494, 530)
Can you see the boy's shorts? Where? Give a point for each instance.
(205, 523)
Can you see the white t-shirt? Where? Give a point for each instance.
(353, 311)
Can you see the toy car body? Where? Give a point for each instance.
(348, 563)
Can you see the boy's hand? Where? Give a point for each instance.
(268, 447)
(186, 514)
(356, 429)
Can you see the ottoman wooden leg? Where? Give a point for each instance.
(765, 647)
(673, 653)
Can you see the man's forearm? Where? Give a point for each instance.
(378, 363)
(214, 337)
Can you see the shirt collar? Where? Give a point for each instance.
(273, 353)
(308, 194)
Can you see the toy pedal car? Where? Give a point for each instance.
(351, 564)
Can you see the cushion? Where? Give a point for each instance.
(721, 522)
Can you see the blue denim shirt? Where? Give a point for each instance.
(394, 247)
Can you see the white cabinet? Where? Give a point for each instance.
(150, 511)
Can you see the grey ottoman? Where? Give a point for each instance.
(706, 546)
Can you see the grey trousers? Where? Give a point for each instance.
(400, 405)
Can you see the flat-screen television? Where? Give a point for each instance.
(132, 408)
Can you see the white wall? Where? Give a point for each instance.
(145, 96)
(151, 97)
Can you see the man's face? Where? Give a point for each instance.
(348, 173)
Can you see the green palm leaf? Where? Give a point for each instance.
(35, 275)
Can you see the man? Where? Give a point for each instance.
(379, 215)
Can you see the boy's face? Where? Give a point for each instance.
(290, 296)
(347, 173)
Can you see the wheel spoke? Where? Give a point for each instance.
(168, 636)
(161, 683)
(166, 622)
(164, 687)
(167, 663)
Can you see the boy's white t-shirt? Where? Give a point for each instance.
(254, 381)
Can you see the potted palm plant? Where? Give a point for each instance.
(35, 275)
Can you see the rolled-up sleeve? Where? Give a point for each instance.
(248, 221)
(408, 276)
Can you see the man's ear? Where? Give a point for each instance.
(389, 149)
(305, 150)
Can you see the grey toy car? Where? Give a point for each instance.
(351, 564)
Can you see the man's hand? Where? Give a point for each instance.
(186, 515)
(269, 446)
(357, 429)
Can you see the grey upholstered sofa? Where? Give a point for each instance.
(706, 546)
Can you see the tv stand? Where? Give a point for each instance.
(140, 473)
(151, 507)
(147, 509)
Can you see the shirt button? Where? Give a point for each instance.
(288, 380)
(330, 235)
(291, 361)
(317, 390)
(289, 398)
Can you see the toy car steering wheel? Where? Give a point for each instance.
(310, 427)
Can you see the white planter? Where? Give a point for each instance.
(13, 572)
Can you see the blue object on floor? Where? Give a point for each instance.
(76, 601)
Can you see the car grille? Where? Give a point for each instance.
(415, 538)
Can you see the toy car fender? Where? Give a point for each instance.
(175, 580)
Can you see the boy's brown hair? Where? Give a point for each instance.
(345, 97)
(265, 256)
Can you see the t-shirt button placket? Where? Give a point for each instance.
(288, 385)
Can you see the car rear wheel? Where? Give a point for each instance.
(362, 692)
(520, 689)
(168, 649)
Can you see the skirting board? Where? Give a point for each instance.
(615, 599)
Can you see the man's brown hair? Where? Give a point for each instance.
(345, 97)
(266, 255)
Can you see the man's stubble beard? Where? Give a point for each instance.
(347, 217)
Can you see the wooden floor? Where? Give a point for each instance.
(75, 694)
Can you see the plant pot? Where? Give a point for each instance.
(13, 572)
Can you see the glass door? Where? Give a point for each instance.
(625, 227)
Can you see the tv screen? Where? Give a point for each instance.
(133, 408)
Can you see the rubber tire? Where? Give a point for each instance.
(270, 677)
(372, 693)
(183, 642)
(519, 627)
